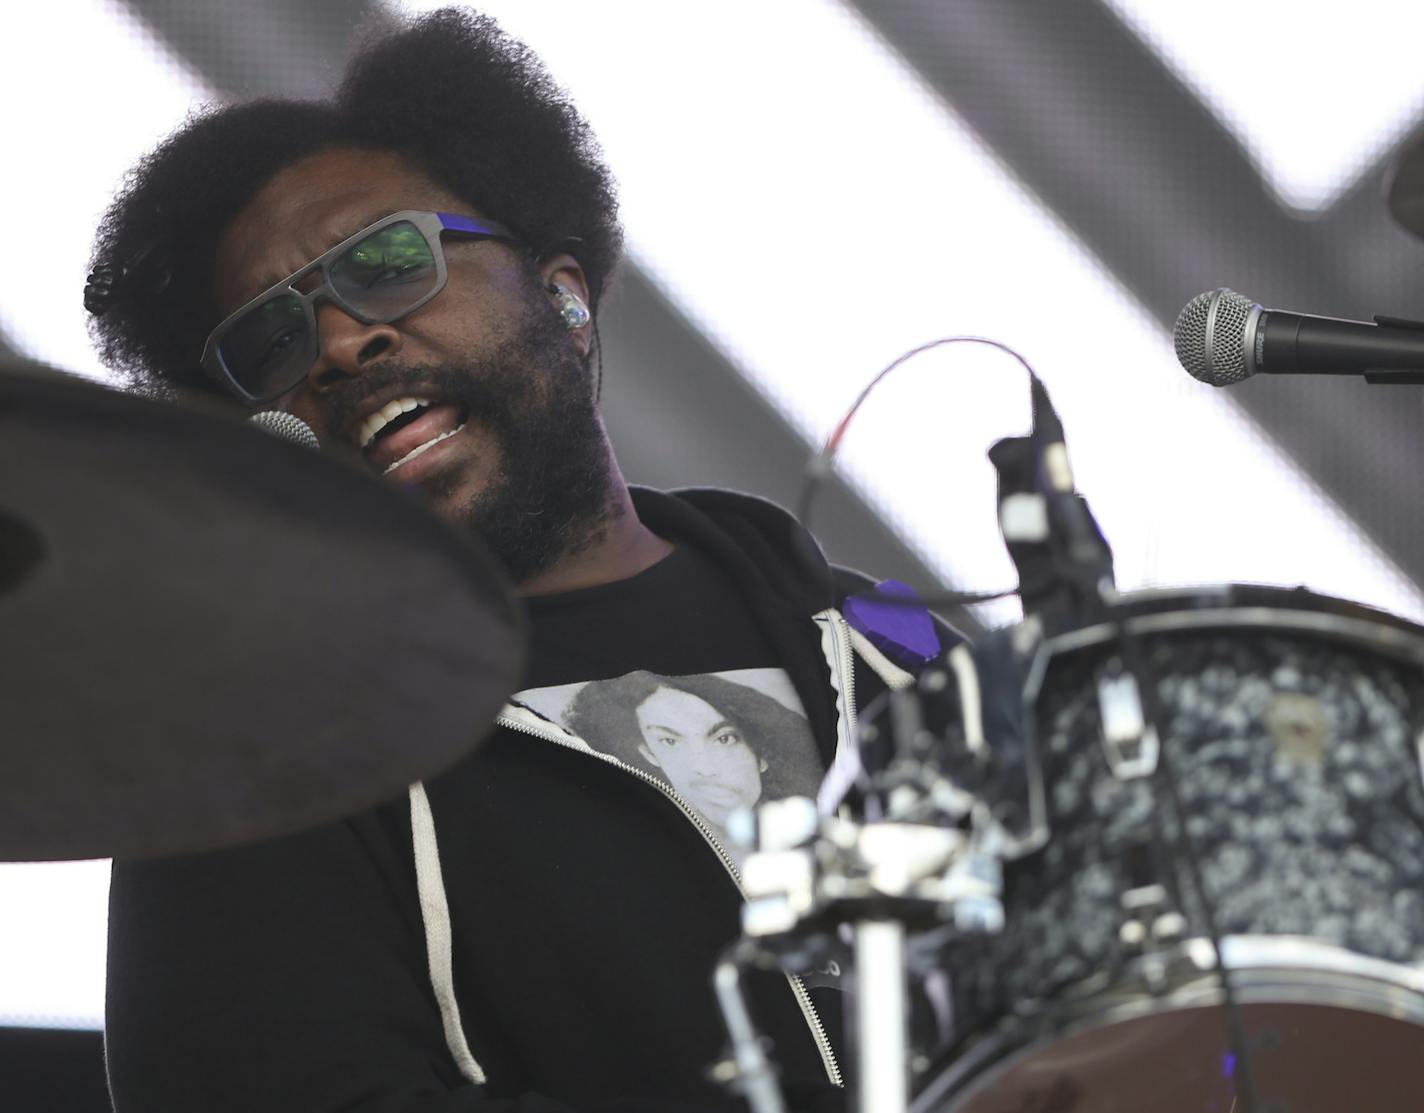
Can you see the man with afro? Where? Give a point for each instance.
(415, 269)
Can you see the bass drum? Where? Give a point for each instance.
(1290, 744)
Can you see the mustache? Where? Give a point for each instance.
(488, 383)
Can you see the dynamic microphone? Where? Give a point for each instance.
(286, 426)
(1222, 338)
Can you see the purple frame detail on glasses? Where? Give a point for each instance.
(429, 224)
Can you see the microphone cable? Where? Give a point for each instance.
(819, 468)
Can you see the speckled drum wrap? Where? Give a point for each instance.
(1324, 841)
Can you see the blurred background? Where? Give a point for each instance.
(810, 188)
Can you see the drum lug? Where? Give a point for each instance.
(1151, 927)
(1130, 743)
(1150, 922)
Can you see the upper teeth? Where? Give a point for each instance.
(385, 415)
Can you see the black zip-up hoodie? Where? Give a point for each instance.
(535, 928)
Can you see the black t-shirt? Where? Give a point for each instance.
(682, 615)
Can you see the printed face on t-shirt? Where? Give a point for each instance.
(721, 741)
(701, 753)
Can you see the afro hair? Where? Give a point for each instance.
(469, 105)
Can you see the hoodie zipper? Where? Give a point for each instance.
(839, 630)
(798, 987)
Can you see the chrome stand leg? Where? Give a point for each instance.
(754, 1072)
(881, 1019)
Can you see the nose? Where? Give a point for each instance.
(346, 347)
(704, 758)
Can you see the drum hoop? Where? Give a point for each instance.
(1404, 644)
(1266, 969)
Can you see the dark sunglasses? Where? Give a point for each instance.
(383, 272)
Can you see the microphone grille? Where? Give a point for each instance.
(284, 425)
(1210, 337)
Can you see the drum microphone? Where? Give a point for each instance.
(286, 426)
(1061, 555)
(1222, 337)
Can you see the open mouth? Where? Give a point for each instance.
(405, 428)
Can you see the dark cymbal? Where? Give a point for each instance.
(209, 635)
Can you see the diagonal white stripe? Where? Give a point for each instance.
(1316, 98)
(88, 93)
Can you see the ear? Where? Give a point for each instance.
(761, 764)
(564, 270)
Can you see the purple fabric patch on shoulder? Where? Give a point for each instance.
(906, 635)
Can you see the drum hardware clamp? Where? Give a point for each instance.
(1130, 743)
(1151, 926)
(804, 866)
(1151, 921)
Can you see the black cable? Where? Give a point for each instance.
(1135, 661)
(944, 599)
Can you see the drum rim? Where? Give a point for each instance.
(1234, 595)
(1390, 634)
(1266, 970)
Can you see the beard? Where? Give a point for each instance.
(549, 496)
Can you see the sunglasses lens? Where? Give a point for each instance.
(269, 348)
(384, 275)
